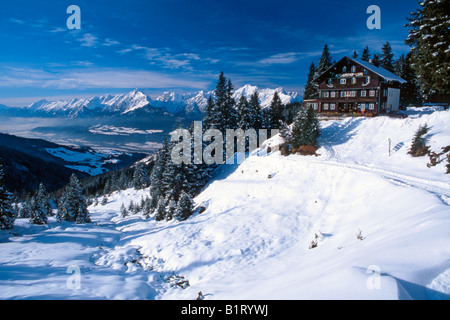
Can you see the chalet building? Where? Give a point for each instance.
(356, 86)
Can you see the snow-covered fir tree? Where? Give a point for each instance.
(72, 205)
(244, 115)
(185, 207)
(429, 38)
(141, 177)
(275, 112)
(123, 211)
(40, 206)
(7, 214)
(306, 129)
(326, 61)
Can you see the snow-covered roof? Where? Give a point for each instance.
(387, 75)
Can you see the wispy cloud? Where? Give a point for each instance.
(281, 58)
(88, 40)
(97, 78)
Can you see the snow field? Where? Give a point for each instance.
(253, 240)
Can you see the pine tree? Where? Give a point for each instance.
(72, 205)
(311, 89)
(387, 57)
(275, 114)
(365, 56)
(160, 212)
(140, 177)
(306, 129)
(40, 206)
(25, 208)
(185, 207)
(7, 214)
(209, 121)
(355, 55)
(410, 94)
(171, 209)
(123, 211)
(376, 60)
(326, 61)
(244, 114)
(418, 146)
(429, 37)
(256, 113)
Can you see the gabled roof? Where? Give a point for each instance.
(385, 74)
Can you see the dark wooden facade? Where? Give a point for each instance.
(355, 86)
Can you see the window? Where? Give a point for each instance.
(385, 93)
(343, 81)
(363, 93)
(363, 106)
(333, 94)
(371, 106)
(343, 94)
(325, 94)
(354, 69)
(325, 106)
(365, 71)
(333, 106)
(344, 70)
(353, 80)
(372, 93)
(352, 93)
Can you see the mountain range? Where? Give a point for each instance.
(137, 101)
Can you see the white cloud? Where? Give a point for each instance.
(88, 40)
(281, 58)
(114, 78)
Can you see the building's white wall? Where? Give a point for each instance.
(393, 100)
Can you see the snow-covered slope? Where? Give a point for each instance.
(253, 240)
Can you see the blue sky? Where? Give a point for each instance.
(181, 45)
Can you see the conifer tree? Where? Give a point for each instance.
(209, 121)
(40, 206)
(7, 214)
(306, 129)
(410, 94)
(140, 177)
(418, 146)
(355, 55)
(387, 57)
(244, 114)
(311, 90)
(185, 207)
(429, 38)
(275, 113)
(376, 61)
(365, 56)
(72, 205)
(160, 212)
(326, 61)
(256, 113)
(123, 211)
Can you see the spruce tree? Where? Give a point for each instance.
(410, 94)
(355, 55)
(365, 56)
(306, 129)
(185, 207)
(418, 146)
(387, 57)
(160, 212)
(209, 121)
(244, 114)
(376, 61)
(40, 207)
(140, 177)
(275, 112)
(256, 112)
(72, 206)
(123, 211)
(326, 61)
(429, 38)
(7, 214)
(311, 89)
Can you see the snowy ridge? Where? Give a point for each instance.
(253, 240)
(172, 102)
